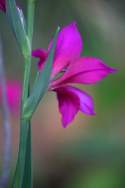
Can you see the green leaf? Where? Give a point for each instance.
(17, 22)
(41, 83)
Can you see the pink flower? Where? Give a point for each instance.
(2, 5)
(13, 95)
(70, 68)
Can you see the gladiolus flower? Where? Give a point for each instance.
(13, 89)
(2, 5)
(70, 68)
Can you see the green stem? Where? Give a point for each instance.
(24, 142)
(23, 174)
(31, 8)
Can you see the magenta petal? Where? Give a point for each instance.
(14, 91)
(69, 47)
(14, 95)
(86, 101)
(42, 54)
(68, 105)
(87, 70)
(71, 100)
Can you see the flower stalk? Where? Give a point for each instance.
(30, 19)
(23, 174)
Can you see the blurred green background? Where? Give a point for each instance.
(90, 153)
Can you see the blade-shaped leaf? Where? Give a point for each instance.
(41, 85)
(17, 22)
